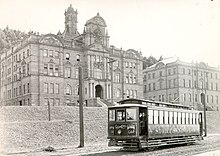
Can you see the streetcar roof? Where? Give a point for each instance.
(144, 102)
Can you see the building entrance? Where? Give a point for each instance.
(99, 91)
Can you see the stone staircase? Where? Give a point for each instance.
(97, 102)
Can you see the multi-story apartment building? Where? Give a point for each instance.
(172, 80)
(45, 68)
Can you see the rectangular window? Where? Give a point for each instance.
(56, 73)
(24, 89)
(161, 84)
(51, 88)
(179, 120)
(174, 82)
(161, 74)
(150, 116)
(169, 71)
(184, 83)
(183, 118)
(170, 117)
(45, 53)
(68, 72)
(175, 117)
(161, 117)
(131, 114)
(28, 52)
(78, 58)
(166, 117)
(183, 70)
(45, 87)
(111, 115)
(190, 118)
(50, 53)
(76, 73)
(45, 69)
(196, 98)
(153, 75)
(169, 83)
(51, 70)
(52, 102)
(28, 87)
(174, 70)
(120, 115)
(118, 78)
(57, 102)
(186, 118)
(56, 54)
(67, 56)
(46, 101)
(149, 87)
(57, 88)
(156, 114)
(154, 88)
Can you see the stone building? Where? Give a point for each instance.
(45, 68)
(172, 80)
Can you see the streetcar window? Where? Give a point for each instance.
(161, 117)
(156, 116)
(190, 118)
(193, 118)
(131, 114)
(183, 118)
(170, 117)
(179, 118)
(196, 118)
(166, 117)
(120, 115)
(175, 117)
(186, 119)
(150, 116)
(112, 115)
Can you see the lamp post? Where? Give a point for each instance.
(111, 65)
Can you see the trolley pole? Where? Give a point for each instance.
(203, 102)
(81, 100)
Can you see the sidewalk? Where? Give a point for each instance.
(211, 153)
(71, 150)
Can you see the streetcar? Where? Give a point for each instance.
(143, 124)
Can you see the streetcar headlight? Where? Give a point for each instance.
(111, 129)
(119, 131)
(131, 129)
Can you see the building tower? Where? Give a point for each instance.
(70, 31)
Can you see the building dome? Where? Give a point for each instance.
(98, 20)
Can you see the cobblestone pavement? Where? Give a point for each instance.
(210, 143)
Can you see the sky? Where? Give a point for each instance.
(187, 29)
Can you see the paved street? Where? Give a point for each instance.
(209, 146)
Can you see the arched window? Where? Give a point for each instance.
(118, 93)
(68, 90)
(77, 90)
(131, 93)
(127, 93)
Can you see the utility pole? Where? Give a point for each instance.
(81, 100)
(111, 65)
(49, 118)
(203, 102)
